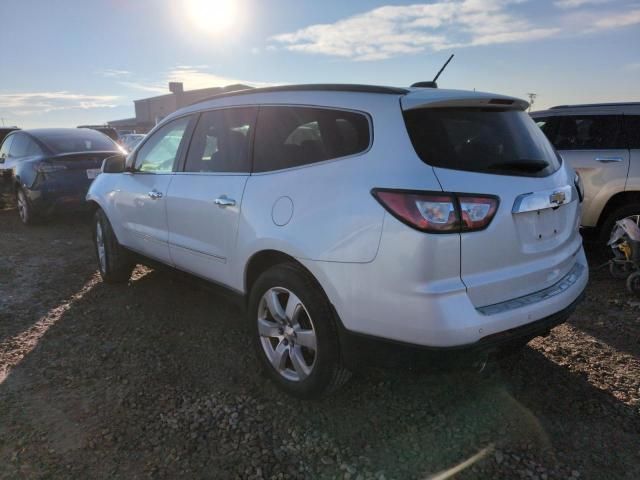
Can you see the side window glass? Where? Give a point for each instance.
(632, 130)
(549, 126)
(19, 146)
(32, 148)
(292, 136)
(593, 132)
(6, 145)
(159, 152)
(221, 141)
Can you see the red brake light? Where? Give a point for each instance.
(477, 211)
(435, 213)
(439, 212)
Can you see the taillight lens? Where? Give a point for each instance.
(439, 212)
(477, 211)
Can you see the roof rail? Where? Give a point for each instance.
(613, 104)
(322, 87)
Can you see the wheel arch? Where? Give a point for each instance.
(262, 260)
(616, 201)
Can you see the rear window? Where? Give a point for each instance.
(503, 142)
(292, 136)
(80, 140)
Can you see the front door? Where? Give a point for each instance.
(141, 195)
(205, 199)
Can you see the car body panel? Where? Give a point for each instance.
(202, 234)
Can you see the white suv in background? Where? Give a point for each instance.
(602, 143)
(342, 213)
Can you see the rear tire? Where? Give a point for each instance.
(25, 210)
(298, 344)
(114, 261)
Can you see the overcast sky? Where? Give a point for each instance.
(85, 61)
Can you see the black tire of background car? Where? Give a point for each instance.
(27, 215)
(609, 222)
(329, 372)
(119, 264)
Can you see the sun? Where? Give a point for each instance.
(212, 16)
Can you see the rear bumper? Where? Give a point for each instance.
(359, 349)
(51, 199)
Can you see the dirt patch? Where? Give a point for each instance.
(157, 379)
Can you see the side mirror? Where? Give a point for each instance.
(115, 164)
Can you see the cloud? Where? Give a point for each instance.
(392, 30)
(44, 102)
(192, 76)
(578, 3)
(389, 31)
(110, 72)
(618, 20)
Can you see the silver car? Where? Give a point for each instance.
(348, 215)
(602, 143)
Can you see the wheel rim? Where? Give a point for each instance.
(102, 254)
(287, 334)
(635, 218)
(22, 207)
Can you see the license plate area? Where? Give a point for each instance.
(541, 230)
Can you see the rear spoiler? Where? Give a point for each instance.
(431, 98)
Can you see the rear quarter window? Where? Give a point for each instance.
(293, 136)
(481, 140)
(589, 132)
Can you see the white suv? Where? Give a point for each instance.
(347, 213)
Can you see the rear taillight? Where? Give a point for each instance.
(477, 211)
(435, 212)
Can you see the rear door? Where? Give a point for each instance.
(595, 147)
(205, 198)
(533, 239)
(140, 199)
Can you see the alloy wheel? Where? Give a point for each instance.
(102, 254)
(287, 334)
(22, 207)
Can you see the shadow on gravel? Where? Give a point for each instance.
(609, 313)
(158, 378)
(40, 267)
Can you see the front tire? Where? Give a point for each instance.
(295, 333)
(114, 261)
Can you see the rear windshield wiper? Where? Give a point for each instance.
(523, 165)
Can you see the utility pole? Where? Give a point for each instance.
(532, 98)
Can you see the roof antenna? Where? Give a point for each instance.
(432, 83)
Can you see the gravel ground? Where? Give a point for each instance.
(157, 379)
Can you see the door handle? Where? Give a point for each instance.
(154, 194)
(223, 201)
(608, 159)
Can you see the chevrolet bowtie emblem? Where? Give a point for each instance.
(557, 198)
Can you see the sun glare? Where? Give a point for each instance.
(212, 16)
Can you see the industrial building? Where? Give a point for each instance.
(149, 111)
